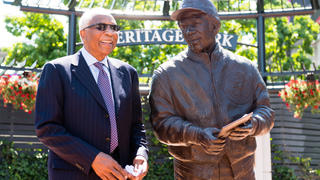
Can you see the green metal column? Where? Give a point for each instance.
(72, 33)
(261, 39)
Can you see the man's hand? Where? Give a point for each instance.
(210, 143)
(241, 132)
(107, 168)
(140, 165)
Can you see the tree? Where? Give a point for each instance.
(287, 39)
(282, 37)
(288, 43)
(46, 33)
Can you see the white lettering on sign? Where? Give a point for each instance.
(164, 35)
(138, 35)
(129, 36)
(226, 40)
(146, 35)
(179, 36)
(171, 36)
(218, 37)
(120, 39)
(156, 35)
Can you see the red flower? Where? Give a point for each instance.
(14, 89)
(298, 95)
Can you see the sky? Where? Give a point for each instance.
(7, 39)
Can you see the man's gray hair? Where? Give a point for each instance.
(88, 14)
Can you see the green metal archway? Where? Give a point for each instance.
(161, 10)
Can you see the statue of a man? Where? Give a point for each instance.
(204, 88)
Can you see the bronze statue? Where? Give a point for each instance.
(201, 90)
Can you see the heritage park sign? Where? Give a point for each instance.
(167, 36)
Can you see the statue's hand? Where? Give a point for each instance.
(241, 132)
(208, 140)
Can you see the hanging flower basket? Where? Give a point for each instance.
(299, 95)
(19, 90)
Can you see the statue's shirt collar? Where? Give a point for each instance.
(205, 57)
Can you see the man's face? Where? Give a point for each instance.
(196, 31)
(97, 42)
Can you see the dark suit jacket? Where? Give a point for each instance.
(73, 122)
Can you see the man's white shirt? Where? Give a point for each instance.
(94, 70)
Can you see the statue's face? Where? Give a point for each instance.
(196, 31)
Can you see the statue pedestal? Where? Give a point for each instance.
(263, 158)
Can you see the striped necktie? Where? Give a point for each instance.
(105, 89)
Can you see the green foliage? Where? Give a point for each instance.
(140, 5)
(289, 43)
(282, 38)
(281, 170)
(47, 36)
(246, 30)
(234, 5)
(18, 164)
(160, 164)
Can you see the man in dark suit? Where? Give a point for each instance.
(88, 109)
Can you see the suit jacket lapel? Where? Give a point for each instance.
(116, 80)
(82, 71)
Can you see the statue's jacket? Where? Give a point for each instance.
(207, 90)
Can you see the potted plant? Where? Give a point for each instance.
(19, 90)
(299, 95)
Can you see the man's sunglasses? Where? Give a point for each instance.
(104, 27)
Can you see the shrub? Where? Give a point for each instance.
(281, 161)
(299, 95)
(22, 164)
(19, 90)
